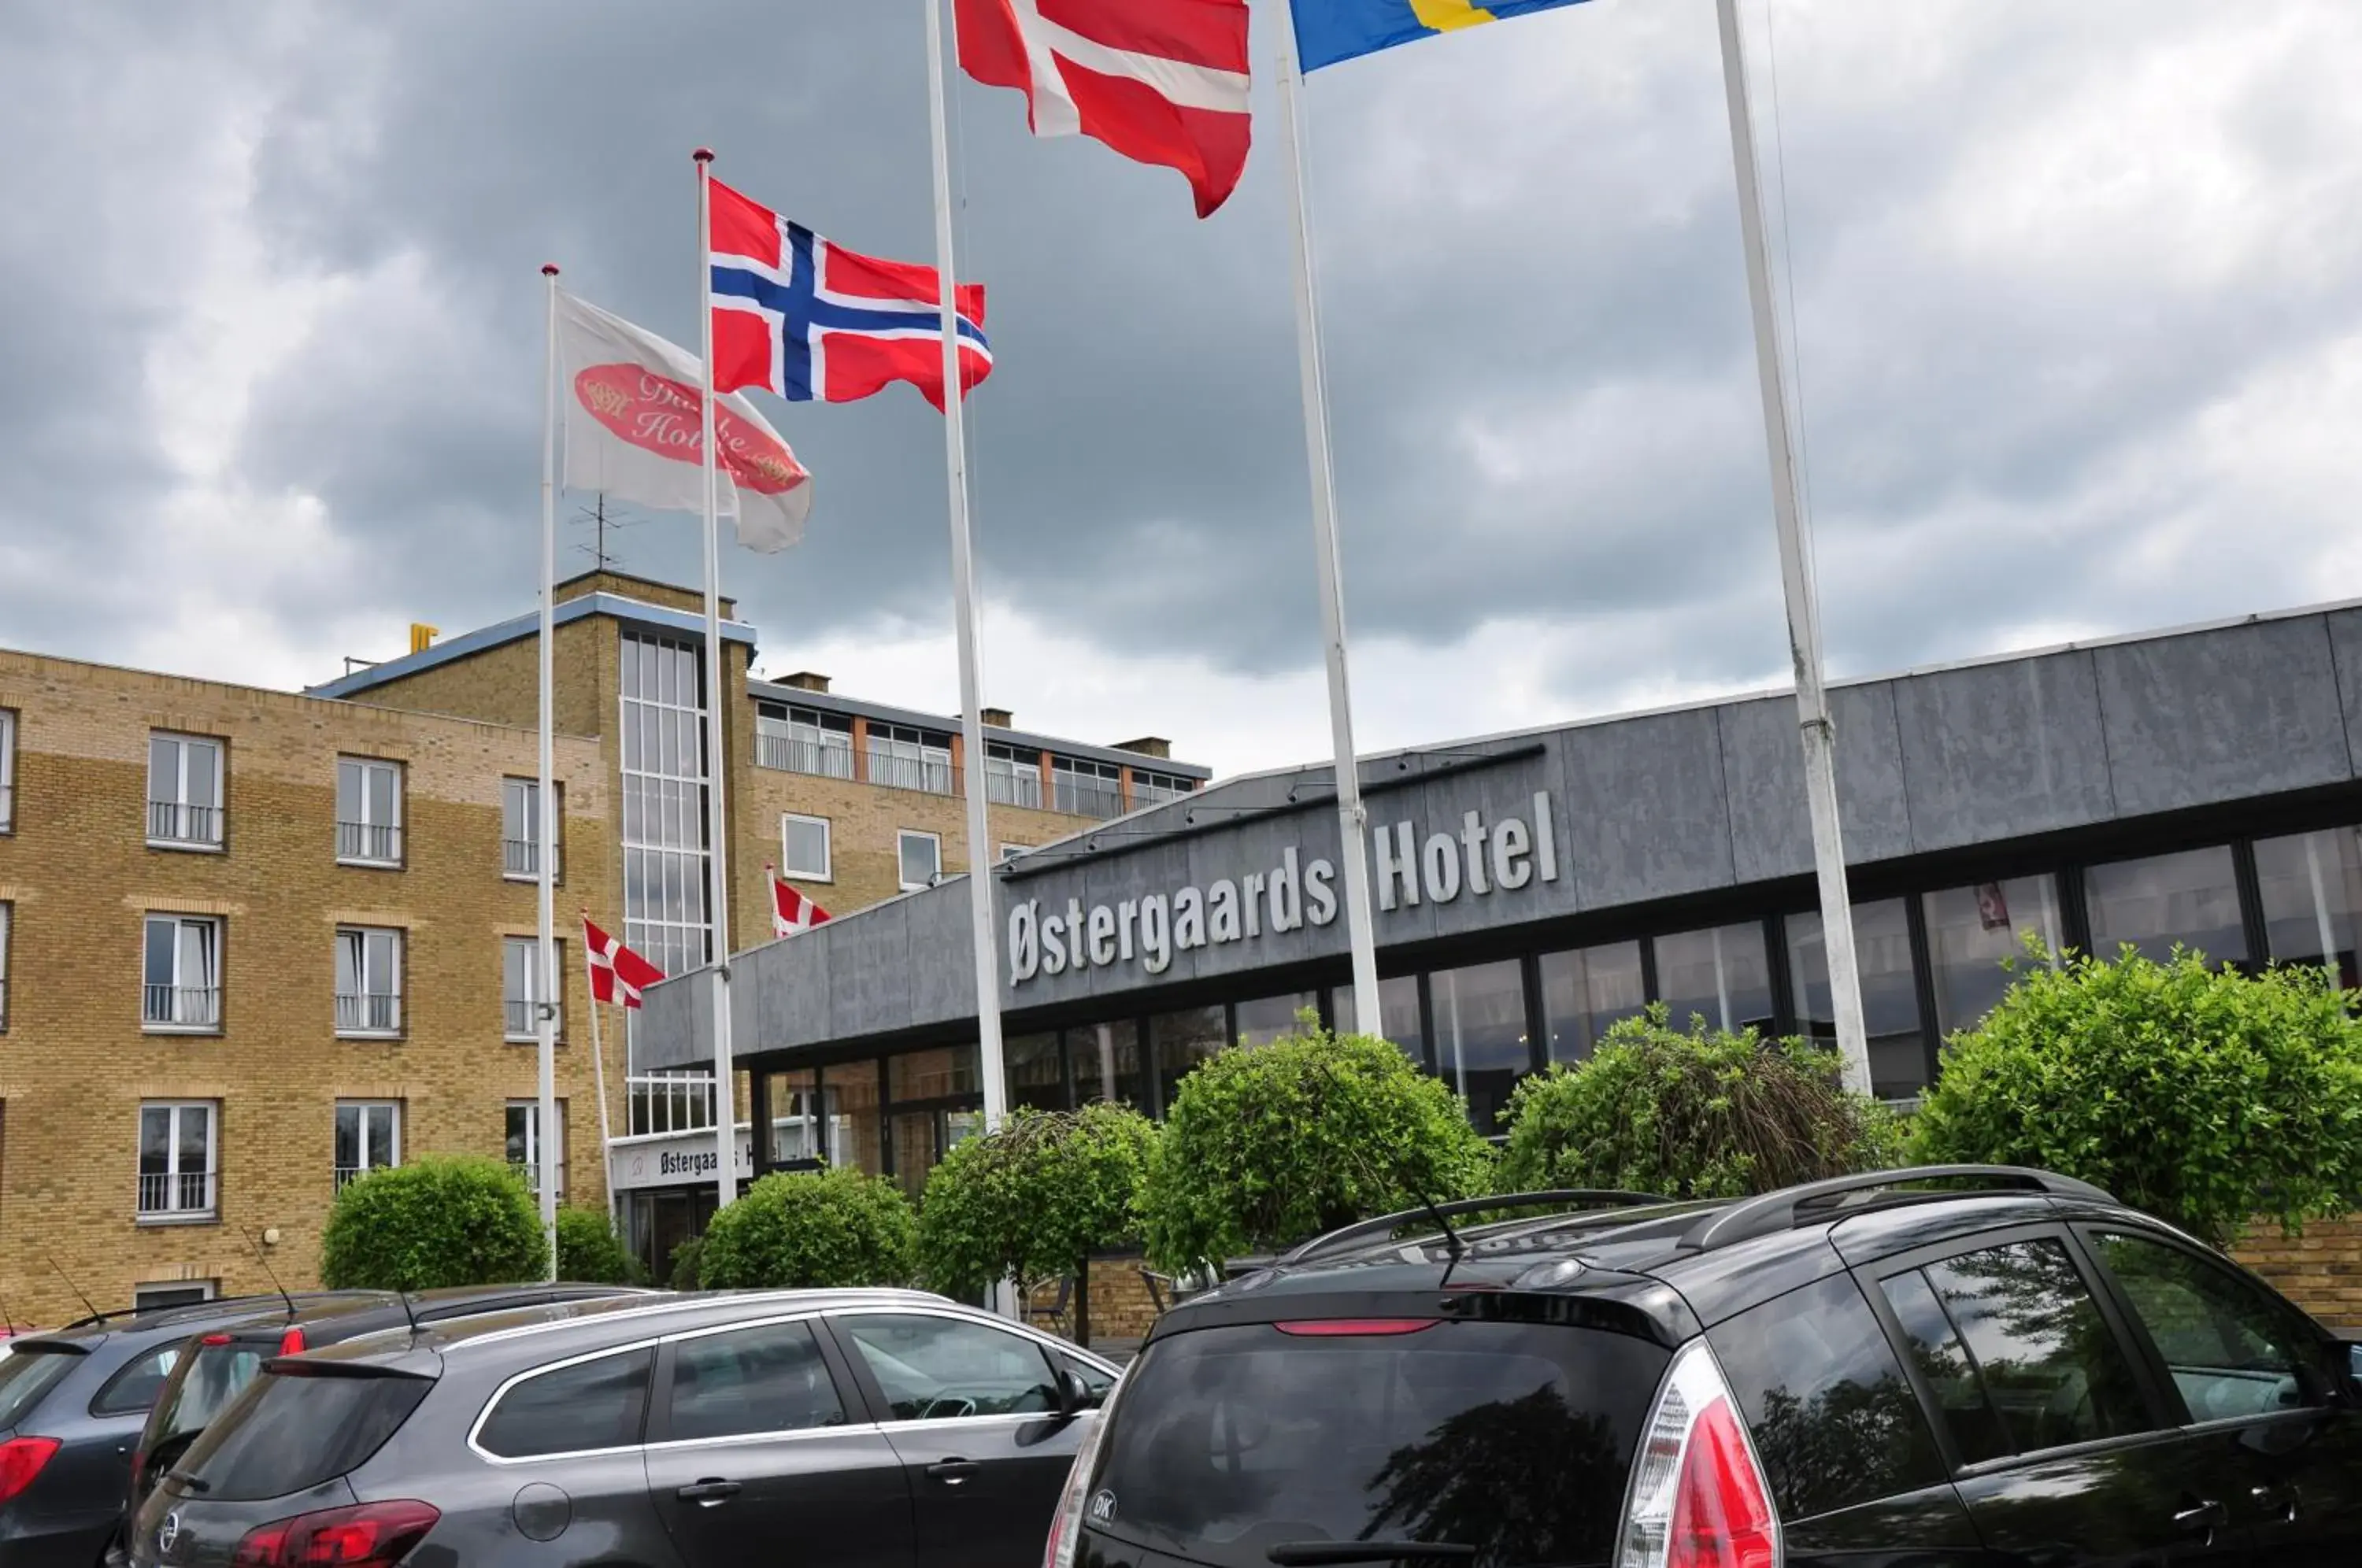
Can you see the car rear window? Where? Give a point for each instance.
(27, 1373)
(289, 1431)
(215, 1375)
(1513, 1439)
(134, 1388)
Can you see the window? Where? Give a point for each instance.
(184, 791)
(7, 770)
(1398, 1018)
(180, 984)
(1834, 1420)
(1037, 1076)
(7, 917)
(368, 1138)
(1718, 975)
(522, 1141)
(947, 1072)
(521, 989)
(369, 812)
(1972, 932)
(296, 1433)
(750, 1382)
(1889, 992)
(2233, 1352)
(369, 980)
(932, 1369)
(1180, 1041)
(1155, 789)
(596, 1403)
(521, 830)
(922, 859)
(1480, 1035)
(1107, 1064)
(2016, 1351)
(1585, 991)
(180, 1293)
(803, 848)
(1085, 789)
(1013, 776)
(2191, 897)
(176, 1160)
(1263, 1020)
(1009, 852)
(132, 1390)
(803, 740)
(664, 803)
(909, 760)
(2312, 887)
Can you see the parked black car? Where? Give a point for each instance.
(867, 1428)
(71, 1404)
(1971, 1366)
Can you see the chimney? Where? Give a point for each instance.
(805, 681)
(1148, 746)
(1000, 719)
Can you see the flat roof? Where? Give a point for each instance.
(829, 702)
(524, 626)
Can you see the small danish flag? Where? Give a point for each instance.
(617, 974)
(791, 910)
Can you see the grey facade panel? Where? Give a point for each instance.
(793, 1009)
(942, 949)
(1497, 794)
(1649, 814)
(1994, 751)
(1763, 765)
(676, 1027)
(869, 970)
(2345, 656)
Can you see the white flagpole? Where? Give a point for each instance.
(979, 855)
(545, 950)
(1361, 931)
(1796, 577)
(725, 1112)
(599, 1070)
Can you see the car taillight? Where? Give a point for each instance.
(1067, 1523)
(292, 1342)
(1346, 1327)
(215, 1340)
(374, 1535)
(21, 1459)
(1698, 1498)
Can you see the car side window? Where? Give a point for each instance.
(2233, 1352)
(135, 1385)
(2018, 1352)
(770, 1379)
(940, 1368)
(595, 1404)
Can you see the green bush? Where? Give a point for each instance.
(835, 1227)
(681, 1267)
(1703, 1114)
(1263, 1148)
(2201, 1095)
(590, 1253)
(440, 1221)
(1033, 1200)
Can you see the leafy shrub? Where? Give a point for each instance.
(590, 1253)
(1265, 1147)
(440, 1221)
(1704, 1114)
(2204, 1095)
(806, 1229)
(1033, 1200)
(681, 1267)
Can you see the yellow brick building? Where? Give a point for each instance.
(251, 941)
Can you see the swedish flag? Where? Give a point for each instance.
(1330, 30)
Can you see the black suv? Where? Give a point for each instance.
(1947, 1366)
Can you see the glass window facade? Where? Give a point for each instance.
(1889, 992)
(1265, 1019)
(1182, 1040)
(1107, 1064)
(1037, 1072)
(1399, 1017)
(2311, 886)
(945, 1073)
(1972, 932)
(1718, 973)
(1584, 992)
(664, 803)
(2191, 899)
(1481, 1036)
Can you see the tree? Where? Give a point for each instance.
(1708, 1113)
(812, 1229)
(1263, 1148)
(590, 1251)
(1033, 1200)
(439, 1220)
(2202, 1095)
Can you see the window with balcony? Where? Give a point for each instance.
(909, 760)
(177, 1164)
(1086, 789)
(521, 830)
(7, 918)
(369, 981)
(921, 857)
(804, 848)
(1013, 776)
(1155, 789)
(803, 740)
(7, 770)
(184, 791)
(369, 812)
(369, 1137)
(523, 1141)
(181, 987)
(521, 989)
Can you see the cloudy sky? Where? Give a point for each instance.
(2077, 289)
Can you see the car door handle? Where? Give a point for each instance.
(2203, 1517)
(2282, 1503)
(709, 1493)
(952, 1471)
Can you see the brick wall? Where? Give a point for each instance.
(2321, 1271)
(1121, 1307)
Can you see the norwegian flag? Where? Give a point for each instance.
(791, 910)
(617, 974)
(1159, 80)
(811, 321)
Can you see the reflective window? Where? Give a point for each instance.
(931, 1369)
(136, 1385)
(2233, 1350)
(1974, 931)
(1268, 1018)
(919, 856)
(1036, 1077)
(1107, 1064)
(665, 868)
(591, 1405)
(1889, 992)
(749, 1381)
(1585, 991)
(803, 848)
(1480, 1035)
(1397, 1014)
(1719, 975)
(857, 1132)
(1943, 1363)
(2312, 887)
(941, 1074)
(1181, 1041)
(799, 1124)
(2191, 897)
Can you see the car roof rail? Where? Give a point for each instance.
(1793, 1206)
(1563, 1198)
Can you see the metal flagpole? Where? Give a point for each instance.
(599, 1071)
(1352, 822)
(1796, 577)
(545, 950)
(726, 1101)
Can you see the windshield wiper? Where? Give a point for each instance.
(1318, 1553)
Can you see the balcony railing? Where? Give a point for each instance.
(1153, 794)
(347, 1175)
(1021, 786)
(661, 1103)
(181, 1007)
(790, 754)
(370, 1012)
(169, 822)
(521, 1021)
(933, 775)
(520, 859)
(1099, 798)
(171, 1192)
(370, 844)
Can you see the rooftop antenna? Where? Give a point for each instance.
(408, 1315)
(596, 515)
(95, 1314)
(267, 1270)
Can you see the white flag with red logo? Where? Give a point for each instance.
(636, 429)
(791, 910)
(1159, 80)
(617, 974)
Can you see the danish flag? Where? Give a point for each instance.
(791, 910)
(617, 974)
(811, 321)
(1159, 80)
